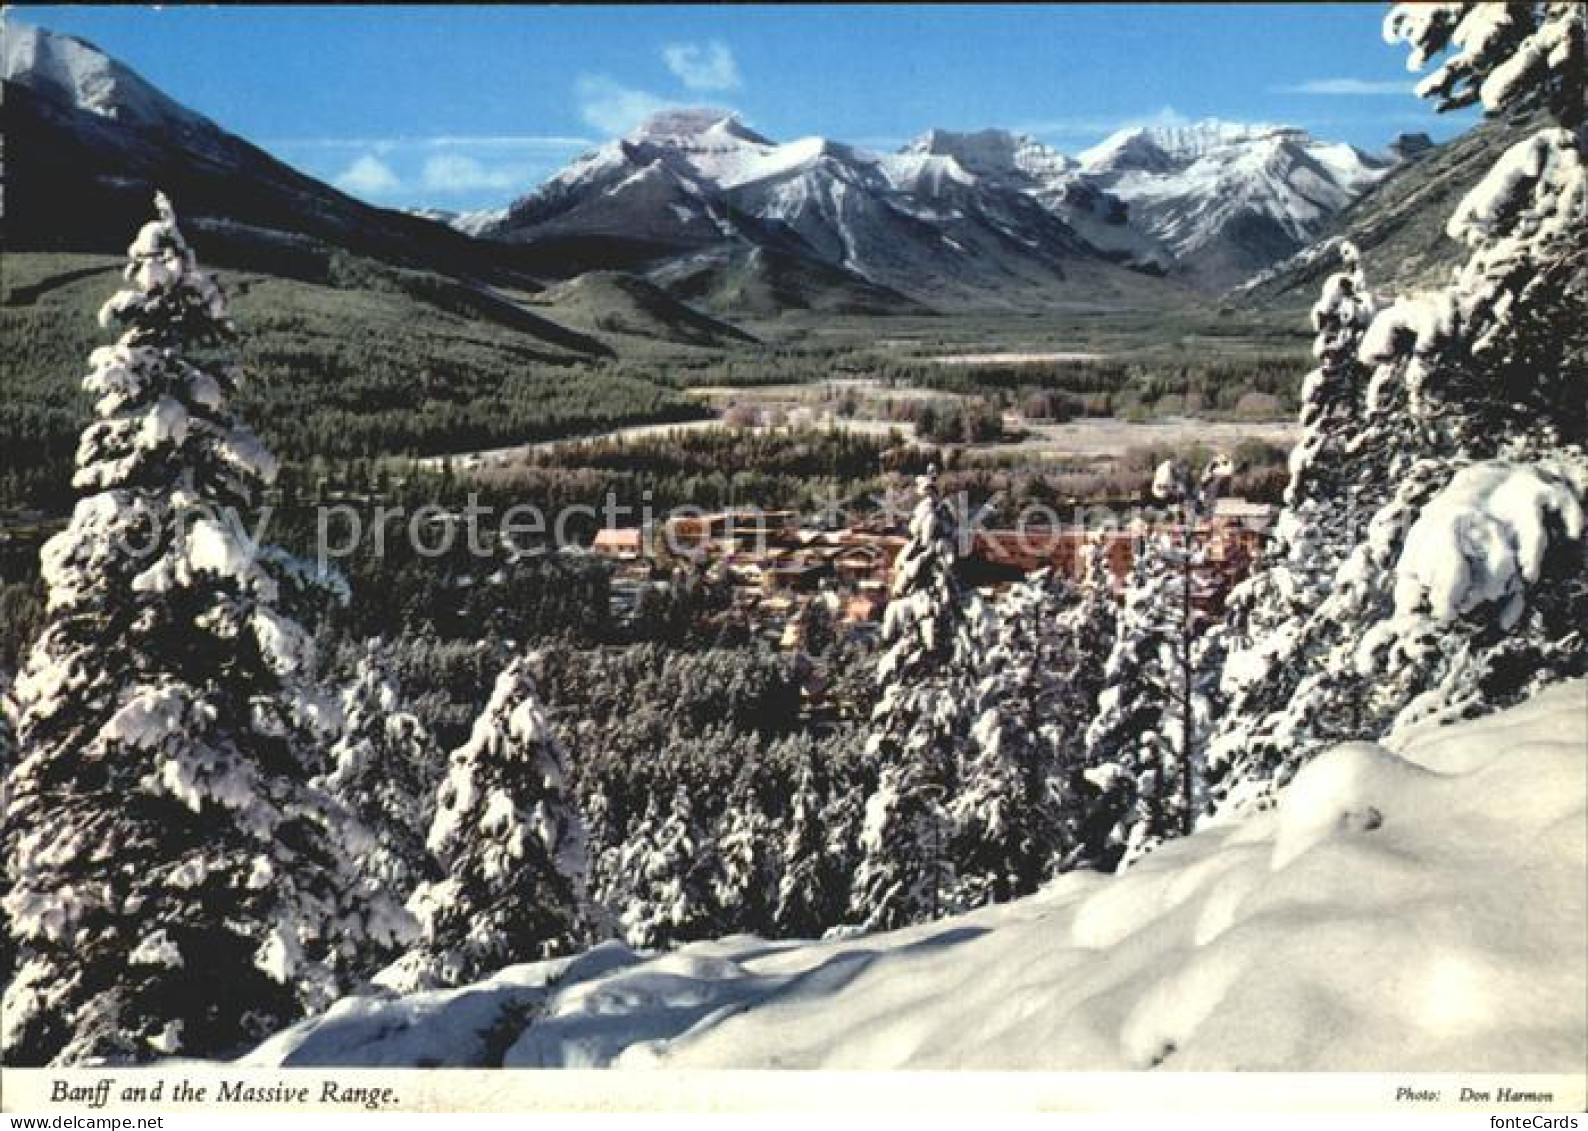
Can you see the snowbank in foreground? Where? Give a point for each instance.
(1415, 911)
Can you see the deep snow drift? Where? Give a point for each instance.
(1419, 910)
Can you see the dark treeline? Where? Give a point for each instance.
(810, 453)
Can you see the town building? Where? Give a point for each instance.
(776, 566)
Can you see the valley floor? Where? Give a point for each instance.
(1090, 438)
(1415, 910)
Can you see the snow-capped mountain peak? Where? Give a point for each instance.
(1226, 198)
(716, 149)
(1153, 148)
(694, 125)
(75, 72)
(994, 152)
(469, 223)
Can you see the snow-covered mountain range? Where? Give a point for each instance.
(710, 209)
(987, 211)
(691, 183)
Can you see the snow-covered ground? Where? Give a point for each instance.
(1422, 910)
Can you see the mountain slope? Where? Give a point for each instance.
(1415, 910)
(377, 362)
(756, 281)
(973, 220)
(1399, 225)
(1054, 180)
(88, 141)
(610, 302)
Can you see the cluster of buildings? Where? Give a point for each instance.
(777, 568)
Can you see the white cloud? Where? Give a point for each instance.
(467, 170)
(1346, 87)
(703, 66)
(613, 108)
(368, 176)
(457, 172)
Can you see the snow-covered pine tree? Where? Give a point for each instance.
(1489, 590)
(1516, 59)
(1331, 412)
(1130, 760)
(1490, 593)
(669, 896)
(604, 837)
(1087, 628)
(746, 880)
(811, 890)
(622, 897)
(510, 843)
(1473, 417)
(844, 818)
(1267, 628)
(906, 871)
(925, 681)
(386, 768)
(1145, 747)
(178, 887)
(1005, 809)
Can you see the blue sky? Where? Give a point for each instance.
(461, 107)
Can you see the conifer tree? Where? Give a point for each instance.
(511, 845)
(8, 741)
(810, 894)
(177, 885)
(1268, 628)
(8, 760)
(1472, 428)
(918, 726)
(1145, 747)
(667, 898)
(624, 890)
(843, 816)
(386, 769)
(746, 881)
(1131, 759)
(1005, 810)
(1491, 372)
(1087, 627)
(906, 870)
